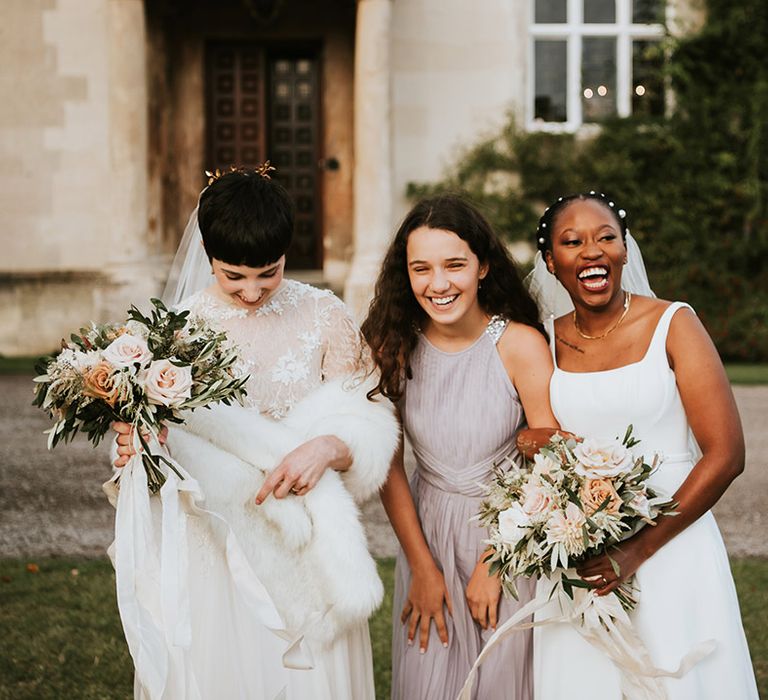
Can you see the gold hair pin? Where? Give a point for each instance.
(264, 169)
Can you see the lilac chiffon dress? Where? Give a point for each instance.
(461, 414)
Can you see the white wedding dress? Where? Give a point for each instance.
(686, 591)
(300, 341)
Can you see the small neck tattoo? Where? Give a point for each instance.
(569, 345)
(627, 302)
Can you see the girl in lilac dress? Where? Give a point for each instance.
(460, 348)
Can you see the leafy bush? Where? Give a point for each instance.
(695, 184)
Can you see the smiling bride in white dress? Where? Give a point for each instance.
(308, 422)
(625, 359)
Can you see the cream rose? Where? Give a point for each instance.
(99, 383)
(595, 491)
(598, 459)
(167, 384)
(536, 501)
(126, 350)
(512, 524)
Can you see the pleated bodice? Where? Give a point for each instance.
(460, 412)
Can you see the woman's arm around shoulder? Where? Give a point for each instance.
(525, 354)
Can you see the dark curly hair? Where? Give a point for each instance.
(549, 217)
(245, 218)
(394, 315)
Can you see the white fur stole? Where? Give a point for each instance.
(310, 551)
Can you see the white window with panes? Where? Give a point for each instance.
(594, 59)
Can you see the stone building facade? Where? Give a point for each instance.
(113, 109)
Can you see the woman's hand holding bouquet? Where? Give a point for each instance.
(144, 372)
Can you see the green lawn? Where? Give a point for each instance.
(747, 374)
(60, 635)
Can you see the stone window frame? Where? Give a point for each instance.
(573, 31)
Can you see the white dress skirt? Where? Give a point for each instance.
(233, 657)
(686, 590)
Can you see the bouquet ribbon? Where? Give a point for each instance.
(158, 627)
(603, 622)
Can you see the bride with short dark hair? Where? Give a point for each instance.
(278, 583)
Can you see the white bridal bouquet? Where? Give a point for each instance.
(576, 500)
(144, 371)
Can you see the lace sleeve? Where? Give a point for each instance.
(344, 352)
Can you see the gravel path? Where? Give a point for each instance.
(51, 503)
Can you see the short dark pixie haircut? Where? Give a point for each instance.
(549, 217)
(245, 218)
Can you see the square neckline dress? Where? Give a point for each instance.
(687, 594)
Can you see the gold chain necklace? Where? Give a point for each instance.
(627, 302)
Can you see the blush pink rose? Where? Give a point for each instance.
(167, 384)
(536, 501)
(126, 350)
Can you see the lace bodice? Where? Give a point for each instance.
(302, 337)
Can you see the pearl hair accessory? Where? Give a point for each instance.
(541, 231)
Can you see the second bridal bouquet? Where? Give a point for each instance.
(576, 500)
(144, 371)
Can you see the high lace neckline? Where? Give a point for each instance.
(234, 311)
(301, 337)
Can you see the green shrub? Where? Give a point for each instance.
(695, 184)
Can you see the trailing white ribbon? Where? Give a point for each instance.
(152, 595)
(603, 622)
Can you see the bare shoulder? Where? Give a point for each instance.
(522, 343)
(685, 328)
(649, 309)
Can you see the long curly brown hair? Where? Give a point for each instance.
(394, 316)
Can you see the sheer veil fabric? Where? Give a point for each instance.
(190, 270)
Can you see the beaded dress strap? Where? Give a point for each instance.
(496, 327)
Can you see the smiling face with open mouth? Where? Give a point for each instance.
(444, 274)
(588, 253)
